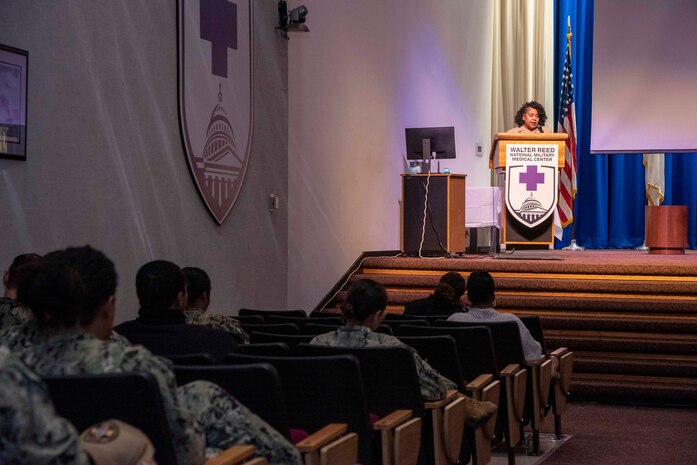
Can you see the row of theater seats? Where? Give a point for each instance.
(528, 390)
(363, 405)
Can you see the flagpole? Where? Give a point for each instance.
(573, 246)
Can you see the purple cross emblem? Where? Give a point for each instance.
(219, 27)
(531, 178)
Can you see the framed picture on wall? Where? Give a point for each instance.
(13, 102)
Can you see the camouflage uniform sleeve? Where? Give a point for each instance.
(226, 423)
(188, 438)
(230, 325)
(30, 430)
(434, 386)
(224, 322)
(8, 314)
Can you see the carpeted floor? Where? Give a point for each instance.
(627, 435)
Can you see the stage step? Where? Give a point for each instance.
(630, 317)
(637, 364)
(624, 388)
(605, 341)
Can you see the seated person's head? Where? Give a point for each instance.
(480, 289)
(23, 262)
(72, 289)
(161, 285)
(365, 303)
(451, 288)
(198, 288)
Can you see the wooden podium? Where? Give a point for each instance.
(666, 229)
(445, 213)
(531, 224)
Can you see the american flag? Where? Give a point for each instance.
(567, 124)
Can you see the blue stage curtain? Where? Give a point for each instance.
(609, 204)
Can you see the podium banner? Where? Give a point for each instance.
(531, 183)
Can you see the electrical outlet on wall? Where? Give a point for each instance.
(273, 202)
(478, 149)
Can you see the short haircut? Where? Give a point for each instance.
(480, 287)
(158, 283)
(23, 260)
(197, 282)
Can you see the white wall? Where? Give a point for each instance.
(105, 162)
(366, 70)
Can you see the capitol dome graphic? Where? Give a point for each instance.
(220, 162)
(531, 210)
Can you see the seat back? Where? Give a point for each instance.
(316, 328)
(267, 348)
(326, 313)
(190, 359)
(265, 313)
(301, 322)
(505, 337)
(534, 325)
(257, 386)
(250, 319)
(391, 381)
(395, 324)
(131, 397)
(441, 353)
(277, 328)
(389, 317)
(322, 390)
(292, 340)
(474, 346)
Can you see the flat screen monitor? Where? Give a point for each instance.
(422, 142)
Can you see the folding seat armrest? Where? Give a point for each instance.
(509, 370)
(321, 438)
(484, 388)
(560, 352)
(331, 443)
(450, 396)
(392, 420)
(232, 456)
(401, 437)
(479, 383)
(448, 424)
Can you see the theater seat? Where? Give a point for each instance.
(130, 397)
(318, 390)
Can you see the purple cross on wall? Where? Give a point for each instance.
(531, 178)
(219, 27)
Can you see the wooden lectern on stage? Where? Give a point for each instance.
(538, 158)
(445, 213)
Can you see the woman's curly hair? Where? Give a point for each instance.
(537, 106)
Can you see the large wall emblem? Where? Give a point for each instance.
(215, 96)
(531, 183)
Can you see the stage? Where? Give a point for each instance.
(630, 317)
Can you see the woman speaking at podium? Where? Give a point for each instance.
(531, 119)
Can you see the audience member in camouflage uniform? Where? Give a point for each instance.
(72, 297)
(11, 311)
(198, 288)
(364, 310)
(32, 433)
(30, 430)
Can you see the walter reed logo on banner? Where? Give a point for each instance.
(215, 96)
(531, 183)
